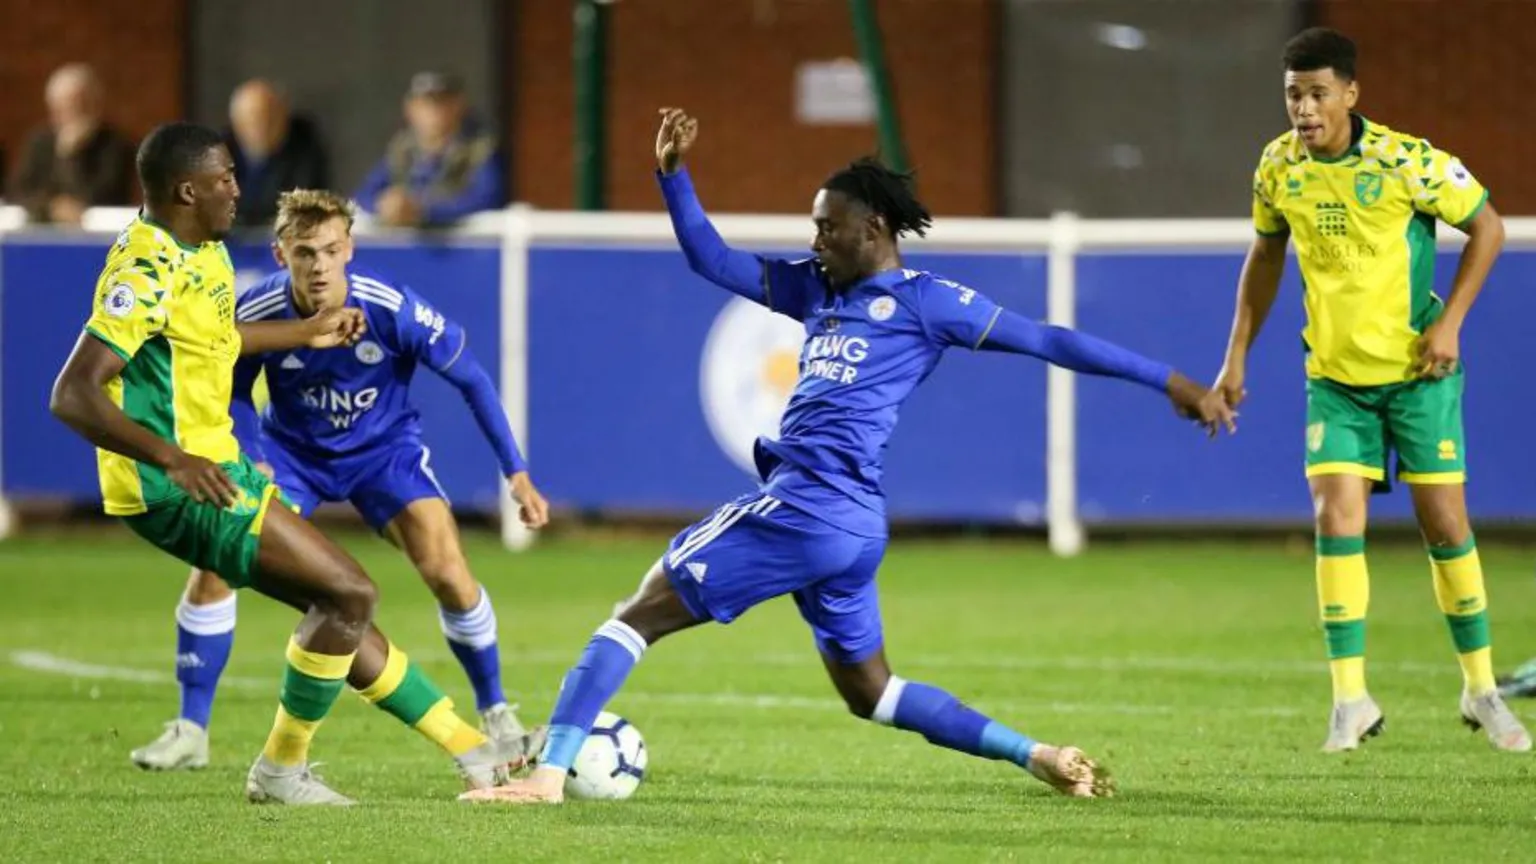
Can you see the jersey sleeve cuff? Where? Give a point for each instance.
(1481, 203)
(110, 344)
(1279, 232)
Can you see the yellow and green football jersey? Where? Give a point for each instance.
(169, 311)
(1364, 230)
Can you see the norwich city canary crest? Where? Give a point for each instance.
(1367, 188)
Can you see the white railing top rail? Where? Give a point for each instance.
(794, 232)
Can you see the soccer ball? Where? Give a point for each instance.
(611, 763)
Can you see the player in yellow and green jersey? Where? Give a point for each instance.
(1361, 202)
(149, 384)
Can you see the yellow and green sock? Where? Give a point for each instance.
(311, 683)
(1343, 593)
(405, 692)
(1459, 589)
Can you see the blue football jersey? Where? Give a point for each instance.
(867, 348)
(336, 401)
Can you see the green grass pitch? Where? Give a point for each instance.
(1194, 670)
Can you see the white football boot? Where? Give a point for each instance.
(1353, 722)
(1489, 713)
(183, 746)
(268, 784)
(521, 745)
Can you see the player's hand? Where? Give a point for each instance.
(532, 507)
(330, 328)
(1208, 408)
(675, 138)
(202, 479)
(1229, 383)
(1439, 350)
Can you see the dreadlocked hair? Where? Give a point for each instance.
(885, 191)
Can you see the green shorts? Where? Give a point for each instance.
(1353, 430)
(221, 539)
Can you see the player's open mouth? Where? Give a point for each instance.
(1309, 130)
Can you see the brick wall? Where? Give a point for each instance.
(732, 63)
(138, 48)
(1458, 72)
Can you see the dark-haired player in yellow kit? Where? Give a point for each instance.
(1361, 202)
(149, 384)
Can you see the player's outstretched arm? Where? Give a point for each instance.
(79, 400)
(325, 329)
(477, 388)
(707, 253)
(1080, 352)
(443, 346)
(1256, 290)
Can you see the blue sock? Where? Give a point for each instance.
(472, 638)
(614, 650)
(947, 722)
(204, 637)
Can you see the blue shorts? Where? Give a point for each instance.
(378, 481)
(757, 548)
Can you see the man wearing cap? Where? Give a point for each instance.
(442, 167)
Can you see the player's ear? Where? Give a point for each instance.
(183, 193)
(348, 248)
(278, 256)
(1351, 94)
(875, 227)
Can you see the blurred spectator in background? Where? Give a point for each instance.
(77, 161)
(274, 151)
(443, 166)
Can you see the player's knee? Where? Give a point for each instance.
(1444, 526)
(1338, 515)
(204, 587)
(353, 594)
(447, 576)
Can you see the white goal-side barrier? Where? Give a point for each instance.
(1060, 239)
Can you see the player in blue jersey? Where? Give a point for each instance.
(816, 529)
(340, 427)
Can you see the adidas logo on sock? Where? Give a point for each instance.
(189, 660)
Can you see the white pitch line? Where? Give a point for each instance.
(42, 661)
(1236, 668)
(45, 662)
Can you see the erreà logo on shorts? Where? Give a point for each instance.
(747, 372)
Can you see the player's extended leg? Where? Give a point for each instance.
(656, 610)
(1441, 510)
(843, 612)
(429, 536)
(1339, 503)
(871, 692)
(298, 565)
(205, 633)
(386, 677)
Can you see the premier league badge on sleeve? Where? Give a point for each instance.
(120, 300)
(1458, 174)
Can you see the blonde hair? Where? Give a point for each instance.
(300, 211)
